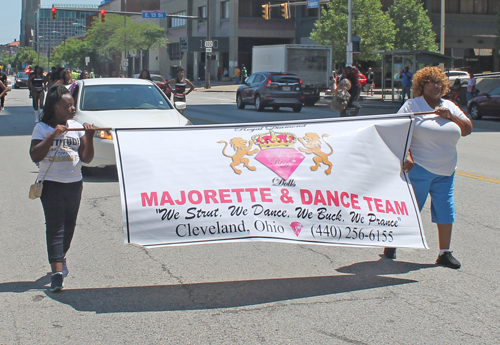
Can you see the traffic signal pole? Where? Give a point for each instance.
(349, 35)
(207, 56)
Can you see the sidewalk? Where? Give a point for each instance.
(365, 100)
(217, 86)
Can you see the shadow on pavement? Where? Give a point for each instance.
(212, 295)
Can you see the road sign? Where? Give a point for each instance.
(154, 14)
(125, 63)
(208, 50)
(312, 3)
(209, 44)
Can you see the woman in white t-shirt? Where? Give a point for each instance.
(60, 154)
(432, 158)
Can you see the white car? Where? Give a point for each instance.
(464, 77)
(121, 103)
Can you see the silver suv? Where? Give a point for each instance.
(271, 89)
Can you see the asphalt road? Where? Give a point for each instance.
(243, 293)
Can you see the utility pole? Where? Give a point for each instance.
(207, 55)
(349, 35)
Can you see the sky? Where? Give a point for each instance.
(11, 16)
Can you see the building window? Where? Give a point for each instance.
(224, 10)
(177, 22)
(202, 11)
(174, 51)
(467, 6)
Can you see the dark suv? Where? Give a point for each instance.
(271, 89)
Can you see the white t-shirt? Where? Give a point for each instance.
(434, 140)
(67, 166)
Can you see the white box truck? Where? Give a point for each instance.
(312, 63)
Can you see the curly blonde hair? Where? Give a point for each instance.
(427, 74)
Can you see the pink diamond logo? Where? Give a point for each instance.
(296, 227)
(283, 161)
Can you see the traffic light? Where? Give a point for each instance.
(54, 13)
(285, 8)
(103, 16)
(265, 11)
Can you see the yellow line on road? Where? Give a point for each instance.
(478, 177)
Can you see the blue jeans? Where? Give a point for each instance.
(406, 89)
(61, 202)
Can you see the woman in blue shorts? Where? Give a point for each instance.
(432, 158)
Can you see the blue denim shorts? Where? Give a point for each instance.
(441, 190)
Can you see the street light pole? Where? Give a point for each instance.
(207, 60)
(349, 35)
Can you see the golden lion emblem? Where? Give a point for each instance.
(242, 149)
(312, 143)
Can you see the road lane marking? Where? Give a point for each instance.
(478, 177)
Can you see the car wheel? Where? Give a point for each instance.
(297, 108)
(239, 102)
(475, 113)
(276, 108)
(258, 103)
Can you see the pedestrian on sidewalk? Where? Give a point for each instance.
(3, 88)
(432, 158)
(406, 83)
(237, 73)
(370, 80)
(60, 153)
(219, 73)
(244, 74)
(471, 88)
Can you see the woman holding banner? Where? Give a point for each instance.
(432, 158)
(60, 151)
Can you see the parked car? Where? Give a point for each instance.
(21, 80)
(464, 76)
(362, 80)
(271, 89)
(121, 103)
(161, 82)
(485, 103)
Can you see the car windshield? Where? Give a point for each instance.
(121, 97)
(21, 75)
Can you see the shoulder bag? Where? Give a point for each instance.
(37, 187)
(340, 100)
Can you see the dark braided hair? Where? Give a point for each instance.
(54, 95)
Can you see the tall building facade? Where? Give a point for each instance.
(28, 22)
(71, 21)
(235, 27)
(471, 31)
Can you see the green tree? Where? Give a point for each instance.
(73, 51)
(120, 33)
(24, 55)
(413, 26)
(370, 23)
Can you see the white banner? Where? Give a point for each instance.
(335, 182)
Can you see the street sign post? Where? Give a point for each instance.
(154, 14)
(312, 3)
